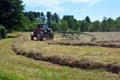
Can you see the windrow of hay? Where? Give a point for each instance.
(101, 44)
(17, 44)
(111, 41)
(63, 60)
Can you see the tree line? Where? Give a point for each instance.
(69, 23)
(14, 18)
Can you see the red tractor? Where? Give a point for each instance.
(42, 31)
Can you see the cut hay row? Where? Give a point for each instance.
(101, 44)
(112, 41)
(62, 60)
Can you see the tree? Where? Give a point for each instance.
(53, 19)
(104, 24)
(86, 24)
(118, 18)
(71, 21)
(32, 16)
(87, 19)
(83, 26)
(49, 18)
(42, 17)
(55, 26)
(56, 17)
(96, 26)
(110, 24)
(64, 25)
(77, 26)
(3, 32)
(11, 15)
(117, 25)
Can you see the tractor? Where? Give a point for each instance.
(42, 31)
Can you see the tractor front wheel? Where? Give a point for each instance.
(32, 35)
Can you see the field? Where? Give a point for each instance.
(41, 67)
(103, 54)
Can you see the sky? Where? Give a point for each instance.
(95, 9)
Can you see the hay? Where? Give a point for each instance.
(114, 67)
(112, 41)
(19, 34)
(64, 60)
(85, 44)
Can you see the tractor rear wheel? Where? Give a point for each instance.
(40, 36)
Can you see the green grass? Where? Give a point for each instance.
(11, 76)
(16, 67)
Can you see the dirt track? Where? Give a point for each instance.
(63, 59)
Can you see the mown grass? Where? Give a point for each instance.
(20, 67)
(97, 53)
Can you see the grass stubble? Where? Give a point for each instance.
(29, 69)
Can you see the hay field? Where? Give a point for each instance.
(17, 67)
(106, 36)
(102, 54)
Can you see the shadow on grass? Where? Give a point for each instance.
(12, 37)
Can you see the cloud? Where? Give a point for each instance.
(48, 4)
(90, 2)
(54, 5)
(41, 2)
(94, 2)
(84, 9)
(55, 9)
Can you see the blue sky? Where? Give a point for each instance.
(95, 9)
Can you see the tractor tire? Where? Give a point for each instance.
(40, 36)
(32, 35)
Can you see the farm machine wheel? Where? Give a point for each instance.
(40, 36)
(32, 35)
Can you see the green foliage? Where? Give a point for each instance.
(49, 18)
(3, 32)
(84, 26)
(32, 15)
(87, 19)
(55, 18)
(11, 15)
(117, 25)
(77, 26)
(56, 26)
(96, 26)
(71, 21)
(42, 17)
(64, 25)
(118, 18)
